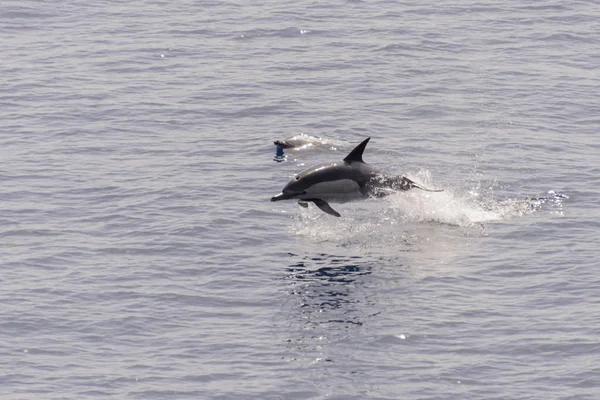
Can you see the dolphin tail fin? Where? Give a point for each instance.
(425, 189)
(406, 184)
(356, 154)
(401, 183)
(325, 207)
(430, 190)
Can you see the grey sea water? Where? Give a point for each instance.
(140, 257)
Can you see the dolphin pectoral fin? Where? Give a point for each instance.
(325, 207)
(322, 204)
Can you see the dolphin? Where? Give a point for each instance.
(343, 181)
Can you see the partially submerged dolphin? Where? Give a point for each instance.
(304, 141)
(342, 181)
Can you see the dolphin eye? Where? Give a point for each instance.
(297, 177)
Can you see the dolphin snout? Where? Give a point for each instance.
(287, 195)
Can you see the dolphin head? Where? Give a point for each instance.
(301, 184)
(283, 144)
(288, 193)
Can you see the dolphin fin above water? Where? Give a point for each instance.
(356, 154)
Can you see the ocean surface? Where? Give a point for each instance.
(141, 258)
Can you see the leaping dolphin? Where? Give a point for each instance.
(342, 181)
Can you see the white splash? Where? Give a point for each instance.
(413, 216)
(445, 207)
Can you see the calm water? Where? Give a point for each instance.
(141, 258)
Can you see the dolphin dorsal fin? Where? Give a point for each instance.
(356, 154)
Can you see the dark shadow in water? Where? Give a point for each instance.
(327, 289)
(329, 301)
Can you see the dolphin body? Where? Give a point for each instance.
(342, 181)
